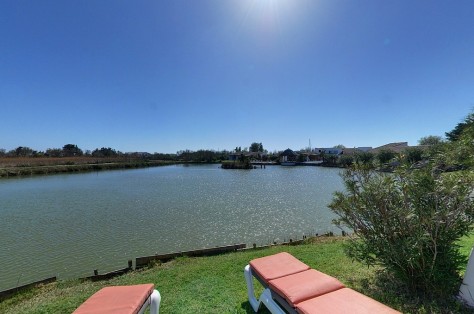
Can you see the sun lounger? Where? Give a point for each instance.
(290, 286)
(122, 300)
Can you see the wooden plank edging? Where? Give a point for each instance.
(9, 292)
(141, 262)
(144, 261)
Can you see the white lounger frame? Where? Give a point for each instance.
(153, 301)
(266, 297)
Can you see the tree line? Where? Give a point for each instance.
(68, 150)
(72, 150)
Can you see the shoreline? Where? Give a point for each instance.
(38, 170)
(142, 262)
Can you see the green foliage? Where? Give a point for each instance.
(408, 222)
(455, 134)
(256, 148)
(413, 155)
(54, 152)
(384, 156)
(245, 164)
(329, 159)
(70, 150)
(21, 151)
(104, 152)
(458, 154)
(202, 156)
(430, 140)
(364, 158)
(345, 160)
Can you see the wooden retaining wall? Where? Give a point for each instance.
(141, 262)
(144, 261)
(109, 275)
(6, 293)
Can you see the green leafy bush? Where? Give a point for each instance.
(384, 156)
(365, 158)
(345, 160)
(413, 155)
(408, 222)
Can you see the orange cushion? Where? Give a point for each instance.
(343, 301)
(117, 300)
(304, 285)
(277, 265)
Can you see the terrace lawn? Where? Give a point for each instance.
(216, 284)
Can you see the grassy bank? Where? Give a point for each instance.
(216, 284)
(17, 167)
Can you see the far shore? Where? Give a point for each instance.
(20, 167)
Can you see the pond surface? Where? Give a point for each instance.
(69, 225)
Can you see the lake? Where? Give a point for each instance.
(69, 225)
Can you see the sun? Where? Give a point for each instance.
(267, 14)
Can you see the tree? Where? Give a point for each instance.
(21, 151)
(365, 158)
(345, 160)
(458, 154)
(104, 152)
(54, 152)
(256, 147)
(409, 223)
(430, 140)
(454, 134)
(70, 150)
(340, 146)
(384, 156)
(413, 155)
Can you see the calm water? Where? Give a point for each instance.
(69, 225)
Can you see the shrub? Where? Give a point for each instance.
(345, 160)
(413, 155)
(365, 158)
(408, 222)
(384, 156)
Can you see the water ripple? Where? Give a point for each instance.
(69, 225)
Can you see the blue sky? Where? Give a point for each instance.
(163, 76)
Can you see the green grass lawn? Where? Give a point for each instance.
(217, 285)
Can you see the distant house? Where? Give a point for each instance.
(306, 156)
(328, 151)
(288, 156)
(397, 147)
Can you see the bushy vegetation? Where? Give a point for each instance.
(409, 221)
(237, 164)
(202, 155)
(385, 156)
(456, 133)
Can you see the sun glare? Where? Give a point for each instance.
(266, 15)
